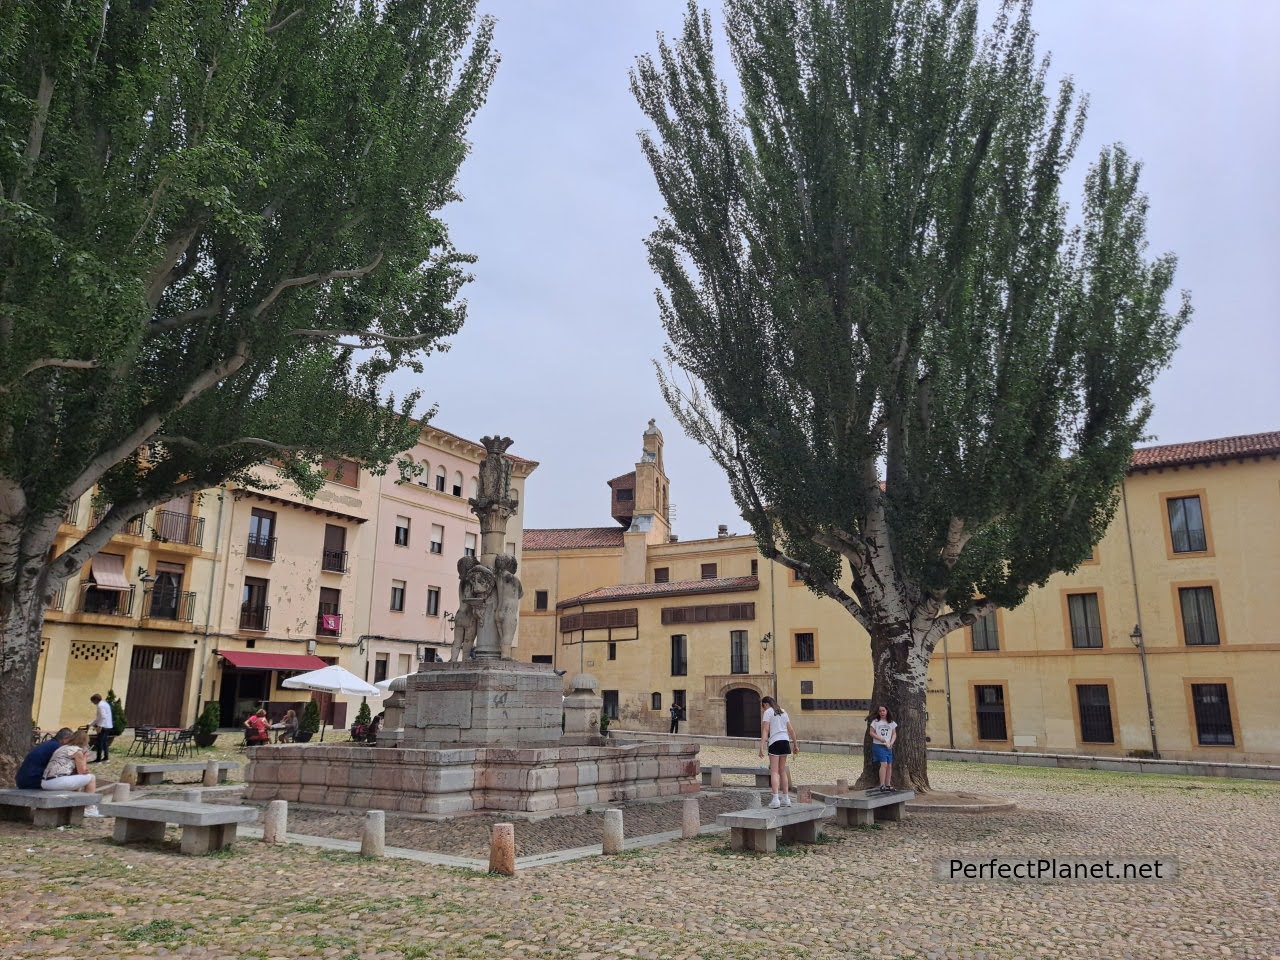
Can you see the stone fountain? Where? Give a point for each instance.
(481, 732)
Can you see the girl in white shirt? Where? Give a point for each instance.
(884, 734)
(778, 736)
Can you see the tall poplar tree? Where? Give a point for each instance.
(923, 380)
(218, 235)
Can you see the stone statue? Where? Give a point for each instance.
(507, 608)
(476, 586)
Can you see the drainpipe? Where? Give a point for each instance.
(208, 610)
(1137, 635)
(946, 666)
(773, 625)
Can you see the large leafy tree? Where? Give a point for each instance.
(218, 234)
(922, 380)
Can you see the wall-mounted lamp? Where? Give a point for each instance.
(311, 647)
(1136, 636)
(764, 642)
(145, 575)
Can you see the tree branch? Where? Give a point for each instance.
(41, 364)
(182, 319)
(954, 621)
(335, 334)
(180, 441)
(279, 24)
(311, 278)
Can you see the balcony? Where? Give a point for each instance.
(170, 526)
(169, 605)
(328, 624)
(59, 598)
(72, 514)
(131, 529)
(334, 561)
(114, 603)
(255, 618)
(260, 548)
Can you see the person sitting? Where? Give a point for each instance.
(68, 769)
(371, 734)
(290, 723)
(256, 729)
(31, 773)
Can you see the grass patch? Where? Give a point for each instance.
(160, 931)
(310, 906)
(87, 915)
(323, 942)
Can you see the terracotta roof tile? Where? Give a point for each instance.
(1206, 451)
(626, 478)
(572, 538)
(673, 588)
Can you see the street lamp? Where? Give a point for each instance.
(764, 646)
(1136, 639)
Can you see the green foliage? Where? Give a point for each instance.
(901, 351)
(310, 721)
(364, 715)
(604, 724)
(210, 718)
(118, 717)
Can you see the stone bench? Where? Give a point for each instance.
(205, 826)
(46, 808)
(757, 828)
(861, 809)
(151, 774)
(709, 777)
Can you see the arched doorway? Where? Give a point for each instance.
(742, 713)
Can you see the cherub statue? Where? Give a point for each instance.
(509, 592)
(476, 585)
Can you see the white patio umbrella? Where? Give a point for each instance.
(332, 679)
(385, 685)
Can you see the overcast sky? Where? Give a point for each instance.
(557, 351)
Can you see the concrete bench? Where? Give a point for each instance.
(205, 826)
(151, 774)
(46, 808)
(861, 809)
(711, 779)
(757, 828)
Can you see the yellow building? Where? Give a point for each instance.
(657, 620)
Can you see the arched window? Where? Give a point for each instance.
(656, 701)
(441, 473)
(475, 487)
(457, 483)
(424, 478)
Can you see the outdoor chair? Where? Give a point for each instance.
(145, 741)
(183, 742)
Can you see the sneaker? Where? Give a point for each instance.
(776, 802)
(886, 789)
(786, 799)
(91, 812)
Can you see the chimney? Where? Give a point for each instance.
(673, 539)
(722, 530)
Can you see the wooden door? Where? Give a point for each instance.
(157, 686)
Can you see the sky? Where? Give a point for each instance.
(562, 326)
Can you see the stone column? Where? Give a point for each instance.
(612, 831)
(691, 819)
(275, 825)
(129, 775)
(211, 773)
(373, 834)
(191, 796)
(121, 792)
(502, 849)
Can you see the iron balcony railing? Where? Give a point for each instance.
(254, 618)
(73, 512)
(334, 561)
(169, 605)
(118, 603)
(59, 597)
(170, 526)
(131, 529)
(260, 548)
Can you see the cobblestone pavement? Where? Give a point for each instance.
(864, 893)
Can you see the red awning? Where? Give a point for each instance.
(252, 660)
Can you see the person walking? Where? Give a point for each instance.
(884, 734)
(67, 769)
(779, 738)
(677, 714)
(106, 724)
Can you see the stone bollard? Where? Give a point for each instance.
(129, 775)
(276, 823)
(191, 796)
(612, 831)
(691, 819)
(753, 799)
(804, 795)
(211, 774)
(373, 836)
(842, 785)
(502, 849)
(717, 777)
(120, 792)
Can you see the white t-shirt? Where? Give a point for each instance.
(884, 730)
(777, 721)
(104, 720)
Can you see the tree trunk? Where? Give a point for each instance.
(901, 680)
(19, 656)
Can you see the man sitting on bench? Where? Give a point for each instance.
(31, 773)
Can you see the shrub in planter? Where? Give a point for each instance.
(118, 717)
(206, 725)
(310, 722)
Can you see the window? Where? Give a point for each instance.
(475, 488)
(402, 531)
(677, 697)
(334, 556)
(795, 576)
(469, 544)
(397, 596)
(625, 496)
(1199, 617)
(457, 485)
(655, 701)
(679, 655)
(613, 650)
(540, 600)
(262, 535)
(708, 571)
(989, 701)
(424, 478)
(380, 668)
(739, 659)
(433, 601)
(406, 664)
(440, 478)
(1086, 624)
(709, 613)
(806, 650)
(1094, 703)
(1186, 525)
(253, 604)
(1212, 705)
(543, 658)
(755, 568)
(610, 706)
(437, 538)
(345, 472)
(985, 633)
(328, 618)
(661, 574)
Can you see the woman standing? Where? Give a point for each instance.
(778, 737)
(68, 769)
(884, 734)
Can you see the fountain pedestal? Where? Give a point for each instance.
(482, 703)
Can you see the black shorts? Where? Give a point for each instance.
(780, 748)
